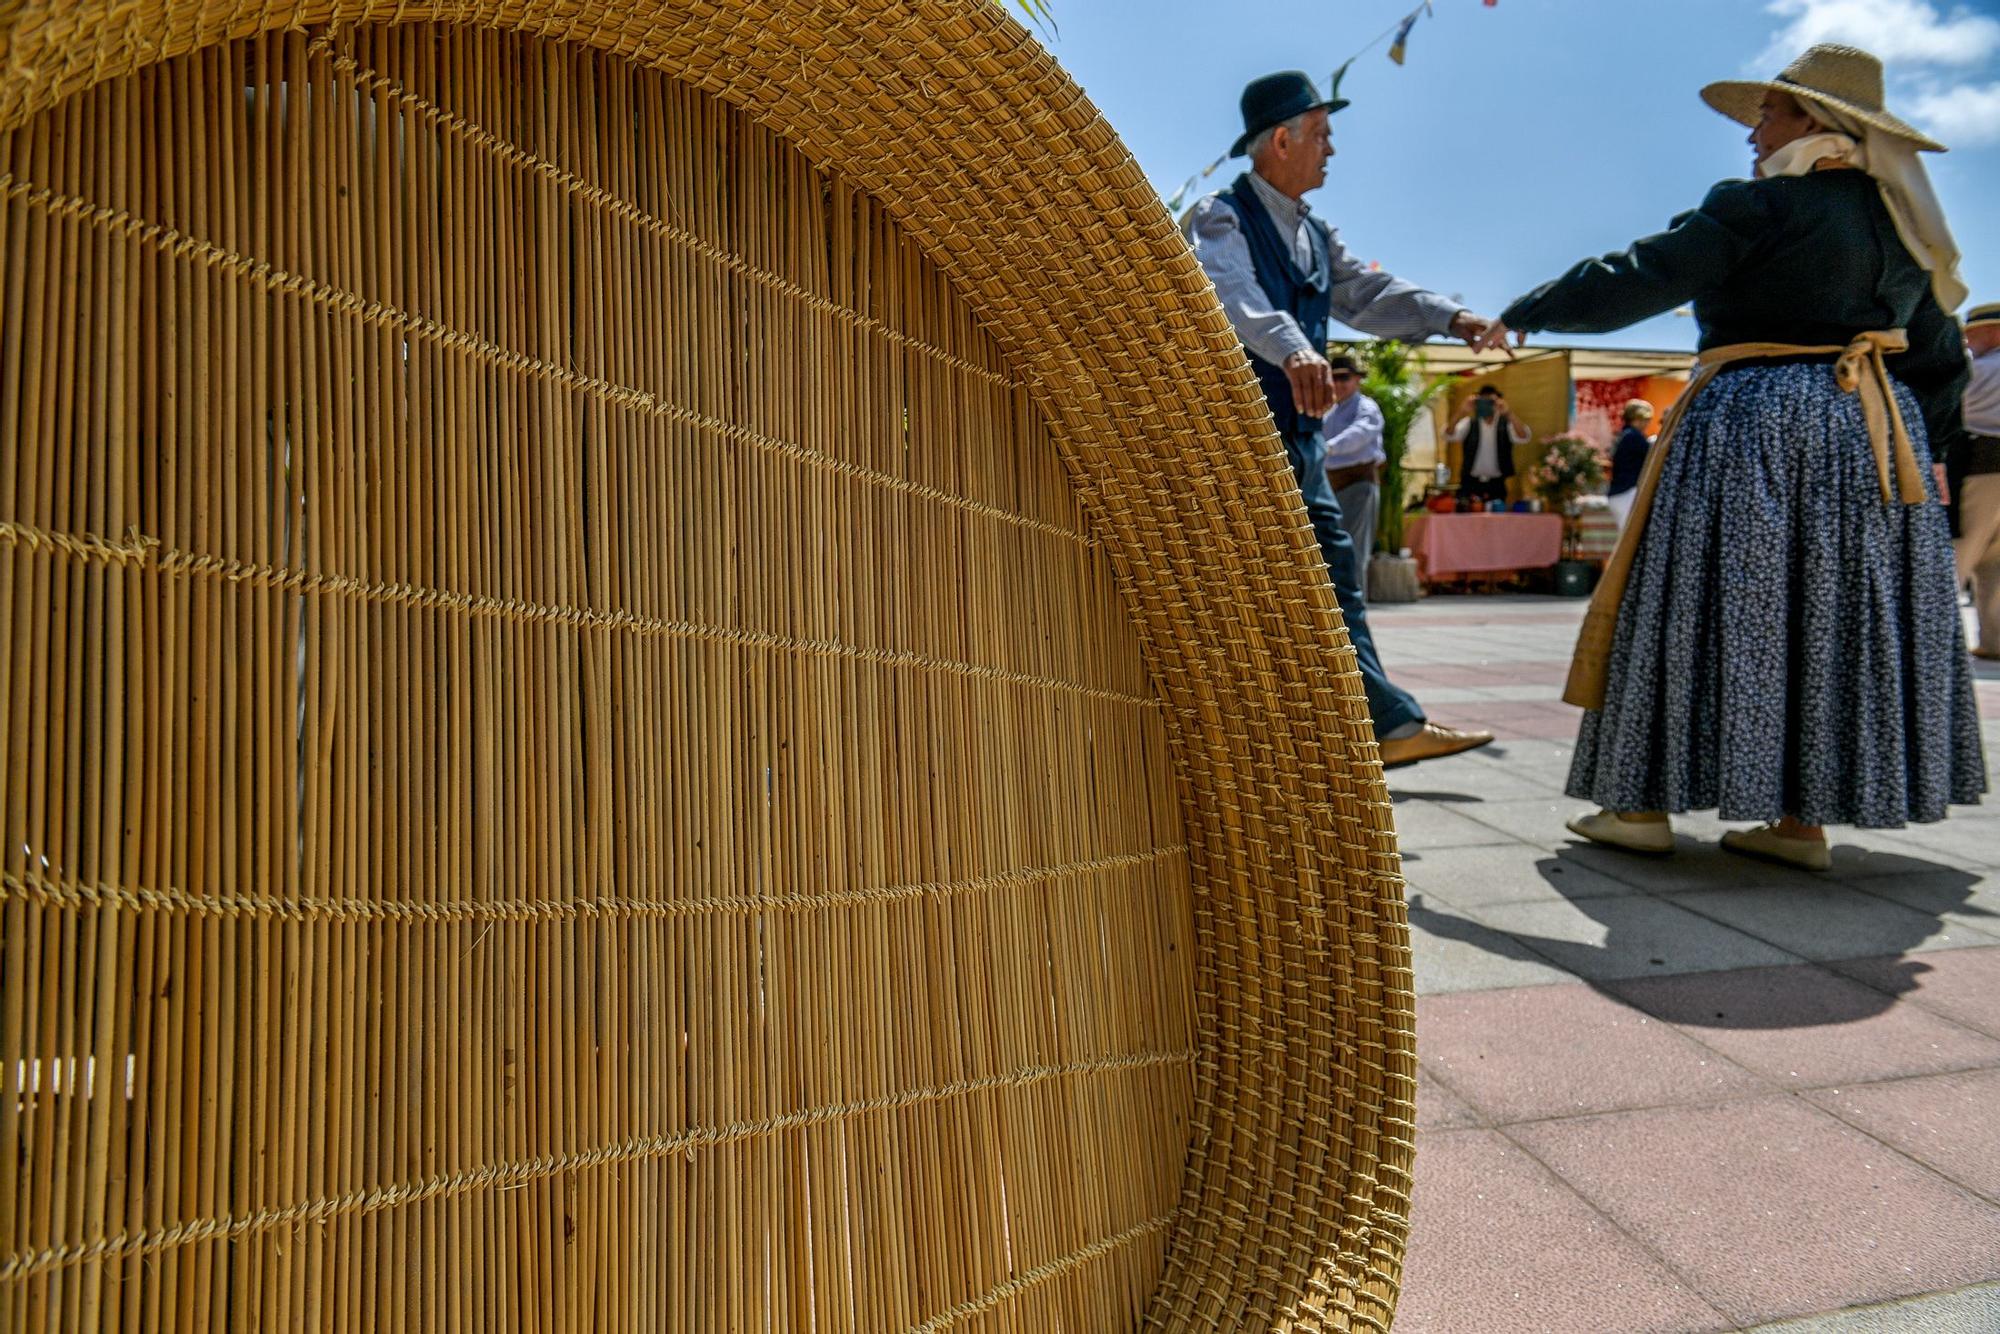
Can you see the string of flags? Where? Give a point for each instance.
(1398, 49)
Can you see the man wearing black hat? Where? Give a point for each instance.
(1281, 275)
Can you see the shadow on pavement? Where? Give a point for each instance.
(1754, 996)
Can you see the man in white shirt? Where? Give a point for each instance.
(1976, 477)
(1354, 457)
(1487, 435)
(1281, 274)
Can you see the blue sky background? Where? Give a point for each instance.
(1520, 138)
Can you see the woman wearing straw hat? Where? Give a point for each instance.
(1777, 636)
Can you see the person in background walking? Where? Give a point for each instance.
(1777, 636)
(1281, 275)
(1354, 457)
(1975, 478)
(1487, 436)
(1628, 458)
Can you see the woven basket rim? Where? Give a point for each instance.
(1297, 1186)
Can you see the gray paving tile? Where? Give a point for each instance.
(1491, 773)
(1857, 851)
(1957, 896)
(1479, 876)
(1424, 825)
(1634, 936)
(1829, 921)
(1971, 842)
(1475, 961)
(1694, 865)
(1968, 1311)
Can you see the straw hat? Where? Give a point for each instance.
(1843, 77)
(1986, 314)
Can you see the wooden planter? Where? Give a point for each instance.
(625, 706)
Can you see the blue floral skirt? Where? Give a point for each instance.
(1789, 642)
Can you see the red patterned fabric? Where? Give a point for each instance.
(1600, 408)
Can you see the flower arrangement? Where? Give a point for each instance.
(1569, 467)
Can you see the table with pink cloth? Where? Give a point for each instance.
(1452, 544)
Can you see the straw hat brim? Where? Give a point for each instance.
(1741, 100)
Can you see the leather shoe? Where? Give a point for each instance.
(1428, 743)
(1766, 844)
(1655, 837)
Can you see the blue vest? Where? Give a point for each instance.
(1306, 296)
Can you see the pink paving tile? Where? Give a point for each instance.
(1512, 719)
(1772, 1208)
(1540, 671)
(1944, 1121)
(1802, 1027)
(1531, 1052)
(1498, 1245)
(1438, 1108)
(1963, 985)
(1485, 614)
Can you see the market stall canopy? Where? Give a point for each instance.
(1585, 363)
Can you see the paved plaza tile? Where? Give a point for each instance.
(1943, 1121)
(1692, 1092)
(1806, 1027)
(1525, 1054)
(1772, 1207)
(1502, 1246)
(1963, 985)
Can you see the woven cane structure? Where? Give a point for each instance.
(659, 673)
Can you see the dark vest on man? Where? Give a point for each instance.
(1306, 296)
(1503, 445)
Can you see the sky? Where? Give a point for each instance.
(1519, 138)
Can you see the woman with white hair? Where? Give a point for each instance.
(1777, 636)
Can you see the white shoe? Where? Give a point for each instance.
(1653, 837)
(1766, 844)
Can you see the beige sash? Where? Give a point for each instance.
(1860, 368)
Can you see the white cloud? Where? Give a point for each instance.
(1915, 31)
(1964, 117)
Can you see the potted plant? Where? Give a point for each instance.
(1568, 467)
(1392, 375)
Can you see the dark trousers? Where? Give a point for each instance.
(1389, 706)
(1483, 489)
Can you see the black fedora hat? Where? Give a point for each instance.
(1275, 99)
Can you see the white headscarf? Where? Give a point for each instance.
(1906, 188)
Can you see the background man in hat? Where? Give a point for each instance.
(1353, 455)
(1975, 477)
(1281, 275)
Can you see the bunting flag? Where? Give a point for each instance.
(1402, 37)
(1333, 84)
(1398, 49)
(1174, 204)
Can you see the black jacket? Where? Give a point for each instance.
(1809, 259)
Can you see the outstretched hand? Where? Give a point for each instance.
(1482, 334)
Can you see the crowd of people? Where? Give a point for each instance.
(1777, 636)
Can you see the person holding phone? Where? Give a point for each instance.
(1487, 434)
